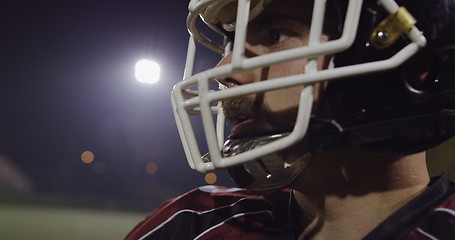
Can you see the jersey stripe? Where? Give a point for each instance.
(427, 234)
(449, 211)
(235, 216)
(192, 224)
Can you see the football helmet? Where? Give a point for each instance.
(370, 97)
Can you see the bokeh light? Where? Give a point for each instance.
(210, 178)
(87, 157)
(151, 168)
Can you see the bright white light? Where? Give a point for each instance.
(147, 71)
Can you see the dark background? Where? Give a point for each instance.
(67, 86)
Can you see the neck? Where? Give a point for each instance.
(346, 193)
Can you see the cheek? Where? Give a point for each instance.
(285, 99)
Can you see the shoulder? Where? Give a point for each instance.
(431, 215)
(208, 210)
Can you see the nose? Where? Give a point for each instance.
(240, 78)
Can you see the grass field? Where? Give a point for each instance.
(37, 222)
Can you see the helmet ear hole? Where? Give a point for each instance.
(419, 71)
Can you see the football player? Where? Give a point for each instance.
(321, 111)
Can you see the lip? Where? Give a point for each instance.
(247, 125)
(253, 125)
(243, 122)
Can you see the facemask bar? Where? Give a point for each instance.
(201, 103)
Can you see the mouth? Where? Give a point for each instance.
(249, 119)
(244, 123)
(251, 126)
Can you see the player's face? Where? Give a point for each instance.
(283, 25)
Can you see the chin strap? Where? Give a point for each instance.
(395, 137)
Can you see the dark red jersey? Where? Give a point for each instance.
(212, 212)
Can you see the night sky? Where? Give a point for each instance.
(67, 86)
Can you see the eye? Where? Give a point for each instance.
(280, 36)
